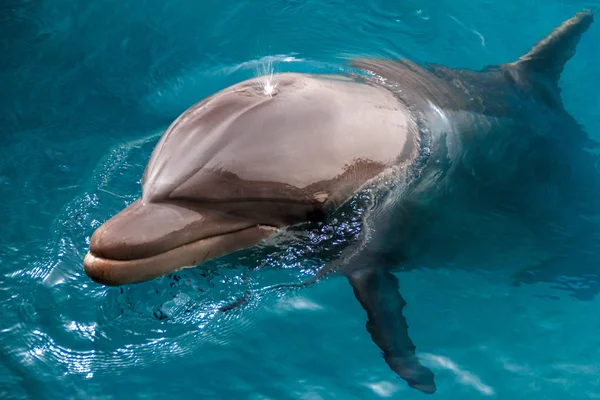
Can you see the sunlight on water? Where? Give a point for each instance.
(465, 377)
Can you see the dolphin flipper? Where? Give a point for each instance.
(377, 291)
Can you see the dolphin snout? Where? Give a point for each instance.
(148, 240)
(143, 230)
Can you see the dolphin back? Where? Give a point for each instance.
(504, 123)
(535, 74)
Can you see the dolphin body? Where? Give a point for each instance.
(252, 160)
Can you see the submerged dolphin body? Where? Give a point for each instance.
(245, 163)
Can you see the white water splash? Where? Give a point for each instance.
(269, 86)
(265, 68)
(266, 71)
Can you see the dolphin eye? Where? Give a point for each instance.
(316, 215)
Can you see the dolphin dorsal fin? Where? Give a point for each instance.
(548, 57)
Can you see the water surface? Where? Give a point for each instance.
(86, 90)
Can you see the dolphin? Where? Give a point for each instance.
(251, 161)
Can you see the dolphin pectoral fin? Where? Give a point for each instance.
(377, 292)
(549, 56)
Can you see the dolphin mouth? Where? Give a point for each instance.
(147, 240)
(114, 272)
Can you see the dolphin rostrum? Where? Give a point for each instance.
(249, 161)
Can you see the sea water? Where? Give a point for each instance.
(86, 90)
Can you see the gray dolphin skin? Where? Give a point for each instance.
(251, 161)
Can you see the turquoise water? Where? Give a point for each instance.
(86, 90)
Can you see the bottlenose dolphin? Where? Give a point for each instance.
(252, 160)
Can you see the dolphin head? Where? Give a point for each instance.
(245, 162)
